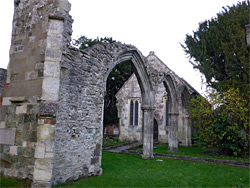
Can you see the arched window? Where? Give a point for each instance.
(131, 112)
(136, 112)
(167, 111)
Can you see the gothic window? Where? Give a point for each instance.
(136, 112)
(131, 112)
(166, 112)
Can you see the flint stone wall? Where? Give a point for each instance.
(3, 79)
(79, 128)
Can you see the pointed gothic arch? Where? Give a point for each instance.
(147, 93)
(173, 112)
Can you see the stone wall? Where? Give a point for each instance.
(79, 121)
(129, 91)
(3, 79)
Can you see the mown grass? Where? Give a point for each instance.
(131, 171)
(195, 152)
(12, 182)
(111, 141)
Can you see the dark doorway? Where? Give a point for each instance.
(155, 135)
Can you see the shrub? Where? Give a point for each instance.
(222, 121)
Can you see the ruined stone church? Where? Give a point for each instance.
(130, 114)
(51, 106)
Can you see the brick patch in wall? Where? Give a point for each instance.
(50, 121)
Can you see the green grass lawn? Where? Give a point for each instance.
(194, 152)
(131, 171)
(111, 142)
(11, 182)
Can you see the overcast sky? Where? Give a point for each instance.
(150, 25)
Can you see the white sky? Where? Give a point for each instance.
(150, 25)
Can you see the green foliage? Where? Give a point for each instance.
(117, 77)
(223, 122)
(84, 42)
(218, 49)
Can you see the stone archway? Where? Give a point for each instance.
(147, 93)
(82, 90)
(173, 113)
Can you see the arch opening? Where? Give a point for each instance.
(147, 100)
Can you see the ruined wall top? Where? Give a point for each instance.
(29, 43)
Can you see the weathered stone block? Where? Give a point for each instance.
(43, 170)
(51, 69)
(6, 101)
(49, 145)
(50, 89)
(49, 155)
(2, 125)
(13, 150)
(40, 151)
(46, 132)
(54, 42)
(7, 136)
(55, 27)
(21, 109)
(53, 55)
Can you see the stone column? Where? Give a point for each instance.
(172, 133)
(147, 132)
(189, 131)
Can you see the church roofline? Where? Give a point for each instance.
(125, 83)
(152, 53)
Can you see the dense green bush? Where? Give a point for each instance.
(221, 122)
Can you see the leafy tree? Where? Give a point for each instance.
(84, 42)
(117, 77)
(218, 49)
(222, 121)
